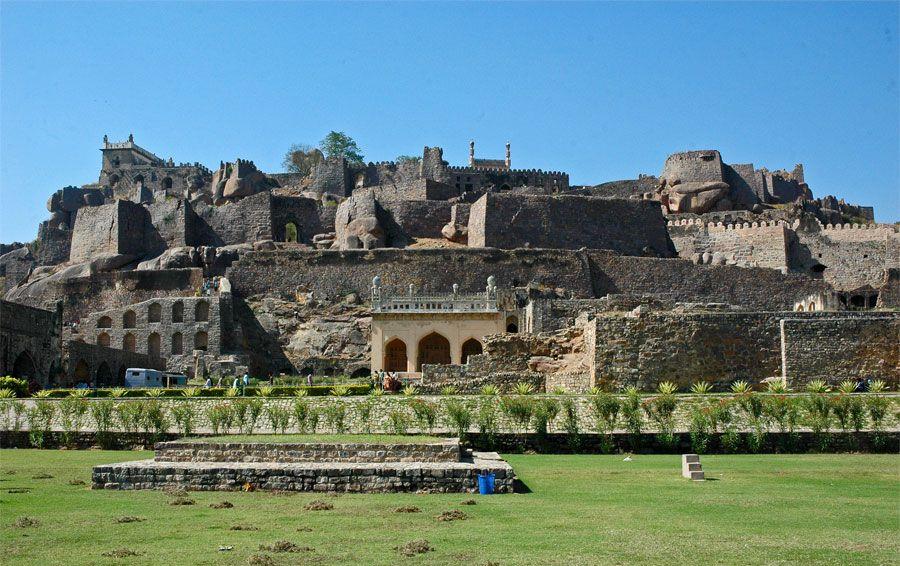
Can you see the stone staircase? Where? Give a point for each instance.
(691, 468)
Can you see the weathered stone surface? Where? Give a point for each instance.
(356, 224)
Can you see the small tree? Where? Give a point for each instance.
(301, 158)
(339, 144)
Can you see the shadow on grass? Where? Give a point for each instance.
(520, 487)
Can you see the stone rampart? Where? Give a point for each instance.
(117, 228)
(30, 346)
(625, 226)
(286, 453)
(840, 347)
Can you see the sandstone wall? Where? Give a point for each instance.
(569, 222)
(838, 348)
(117, 228)
(853, 255)
(246, 220)
(761, 245)
(305, 213)
(102, 366)
(31, 337)
(419, 218)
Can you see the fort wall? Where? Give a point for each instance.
(30, 342)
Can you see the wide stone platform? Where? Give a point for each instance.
(440, 467)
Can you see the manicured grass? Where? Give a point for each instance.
(294, 438)
(762, 509)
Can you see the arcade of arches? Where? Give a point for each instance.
(406, 342)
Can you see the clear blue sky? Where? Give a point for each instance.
(603, 91)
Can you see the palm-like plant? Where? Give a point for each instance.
(301, 392)
(80, 393)
(778, 387)
(155, 392)
(449, 390)
(523, 388)
(847, 386)
(191, 391)
(878, 386)
(232, 392)
(490, 390)
(410, 390)
(340, 390)
(118, 392)
(7, 393)
(265, 391)
(667, 388)
(43, 394)
(817, 386)
(741, 387)
(701, 387)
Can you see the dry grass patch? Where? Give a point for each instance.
(318, 505)
(129, 519)
(468, 502)
(222, 505)
(182, 501)
(260, 560)
(18, 490)
(42, 477)
(285, 546)
(121, 553)
(407, 509)
(77, 482)
(453, 515)
(244, 528)
(26, 522)
(414, 547)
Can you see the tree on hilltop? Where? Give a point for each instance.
(339, 144)
(301, 158)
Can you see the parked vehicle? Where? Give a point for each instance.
(175, 379)
(140, 377)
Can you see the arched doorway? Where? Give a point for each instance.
(129, 343)
(154, 313)
(104, 322)
(178, 312)
(166, 183)
(104, 375)
(129, 319)
(82, 373)
(470, 347)
(153, 345)
(433, 349)
(291, 233)
(395, 355)
(201, 312)
(512, 324)
(24, 367)
(103, 339)
(201, 340)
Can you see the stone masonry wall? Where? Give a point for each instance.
(30, 336)
(419, 218)
(117, 228)
(626, 226)
(284, 453)
(839, 348)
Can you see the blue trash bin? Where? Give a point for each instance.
(486, 484)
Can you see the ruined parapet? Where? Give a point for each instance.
(111, 229)
(237, 180)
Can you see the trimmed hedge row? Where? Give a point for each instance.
(179, 393)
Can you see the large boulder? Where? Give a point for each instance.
(696, 197)
(172, 258)
(237, 180)
(356, 223)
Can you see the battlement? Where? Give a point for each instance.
(721, 226)
(108, 145)
(472, 170)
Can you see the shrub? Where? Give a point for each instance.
(701, 387)
(486, 419)
(740, 387)
(191, 391)
(155, 421)
(43, 394)
(130, 414)
(518, 410)
(661, 410)
(752, 406)
(118, 392)
(184, 415)
(341, 390)
(265, 391)
(102, 413)
(40, 420)
(542, 416)
(570, 424)
(818, 416)
(301, 414)
(449, 390)
(335, 417)
(605, 409)
(364, 410)
(410, 390)
(559, 390)
(847, 386)
(781, 410)
(667, 388)
(778, 387)
(699, 427)
(458, 417)
(301, 393)
(220, 417)
(425, 413)
(631, 414)
(279, 417)
(71, 415)
(817, 386)
(7, 394)
(156, 392)
(398, 421)
(14, 384)
(233, 392)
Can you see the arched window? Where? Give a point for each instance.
(113, 179)
(154, 313)
(177, 344)
(470, 347)
(129, 319)
(512, 324)
(201, 311)
(178, 312)
(291, 234)
(800, 308)
(153, 345)
(200, 340)
(166, 183)
(138, 179)
(129, 342)
(433, 349)
(395, 355)
(812, 307)
(103, 339)
(104, 322)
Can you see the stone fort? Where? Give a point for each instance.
(453, 275)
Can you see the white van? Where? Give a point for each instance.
(140, 377)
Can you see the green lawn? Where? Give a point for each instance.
(761, 509)
(328, 438)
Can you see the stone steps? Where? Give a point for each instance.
(691, 468)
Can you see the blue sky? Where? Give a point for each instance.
(602, 90)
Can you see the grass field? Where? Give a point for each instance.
(760, 509)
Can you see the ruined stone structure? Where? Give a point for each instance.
(623, 283)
